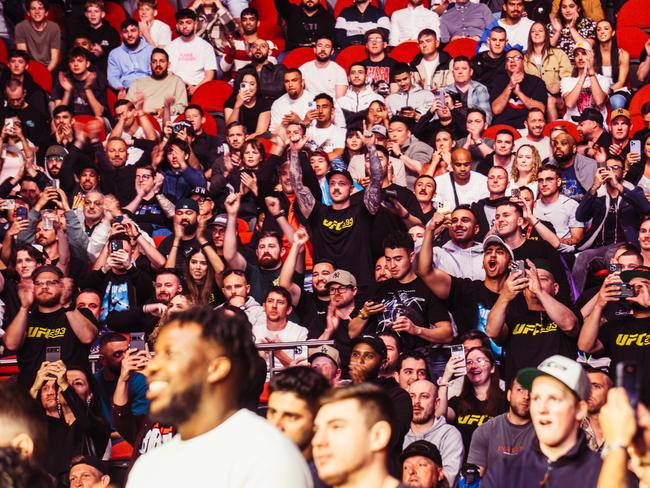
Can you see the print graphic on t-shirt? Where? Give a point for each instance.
(45, 333)
(633, 340)
(473, 419)
(156, 437)
(337, 225)
(534, 329)
(481, 324)
(403, 303)
(116, 298)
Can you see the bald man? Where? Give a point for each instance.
(462, 186)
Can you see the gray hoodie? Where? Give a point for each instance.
(459, 262)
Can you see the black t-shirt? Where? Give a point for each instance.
(628, 339)
(312, 312)
(532, 337)
(78, 97)
(472, 413)
(470, 303)
(341, 237)
(515, 111)
(532, 249)
(414, 300)
(150, 216)
(377, 71)
(184, 248)
(49, 330)
(248, 116)
(261, 280)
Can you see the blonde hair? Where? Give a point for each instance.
(537, 163)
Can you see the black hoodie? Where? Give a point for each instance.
(303, 29)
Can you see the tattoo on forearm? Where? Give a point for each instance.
(372, 196)
(304, 195)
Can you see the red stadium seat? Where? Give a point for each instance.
(266, 143)
(158, 239)
(280, 43)
(570, 127)
(210, 125)
(341, 4)
(269, 29)
(212, 95)
(111, 98)
(266, 10)
(84, 119)
(115, 15)
(639, 98)
(491, 131)
(405, 51)
(349, 55)
(461, 47)
(632, 39)
(4, 58)
(633, 13)
(392, 5)
(41, 75)
(299, 56)
(166, 14)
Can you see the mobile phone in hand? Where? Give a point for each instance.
(53, 354)
(137, 341)
(458, 351)
(628, 376)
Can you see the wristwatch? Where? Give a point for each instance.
(479, 142)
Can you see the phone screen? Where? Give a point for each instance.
(458, 350)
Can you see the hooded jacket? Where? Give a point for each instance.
(442, 75)
(459, 262)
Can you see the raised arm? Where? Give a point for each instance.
(16, 330)
(295, 258)
(372, 194)
(230, 253)
(83, 328)
(496, 327)
(304, 196)
(437, 280)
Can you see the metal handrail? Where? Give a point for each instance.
(272, 347)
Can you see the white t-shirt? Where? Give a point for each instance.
(292, 332)
(133, 153)
(161, 34)
(245, 451)
(285, 105)
(191, 59)
(561, 213)
(472, 191)
(323, 80)
(329, 139)
(585, 99)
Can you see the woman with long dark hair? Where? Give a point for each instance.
(637, 167)
(246, 105)
(571, 27)
(548, 63)
(611, 61)
(481, 395)
(74, 419)
(201, 275)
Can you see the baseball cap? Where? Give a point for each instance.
(343, 172)
(90, 461)
(374, 342)
(583, 45)
(219, 221)
(320, 152)
(638, 272)
(199, 190)
(495, 239)
(379, 129)
(620, 112)
(56, 151)
(327, 351)
(187, 204)
(342, 277)
(589, 114)
(563, 369)
(422, 448)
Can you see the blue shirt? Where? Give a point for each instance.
(125, 65)
(137, 392)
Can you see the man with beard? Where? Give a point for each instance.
(600, 385)
(293, 400)
(190, 57)
(237, 51)
(393, 351)
(359, 94)
(504, 435)
(410, 308)
(529, 321)
(88, 180)
(424, 191)
(159, 87)
(151, 209)
(577, 170)
(271, 75)
(322, 75)
(130, 60)
(311, 306)
(306, 22)
(425, 426)
(367, 357)
(621, 337)
(326, 136)
(268, 251)
(199, 390)
(535, 123)
(95, 223)
(185, 222)
(42, 322)
(236, 292)
(113, 348)
(462, 185)
(592, 131)
(204, 146)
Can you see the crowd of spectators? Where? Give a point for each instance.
(456, 247)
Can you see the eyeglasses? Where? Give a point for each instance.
(478, 361)
(338, 290)
(237, 272)
(48, 283)
(615, 167)
(515, 58)
(375, 39)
